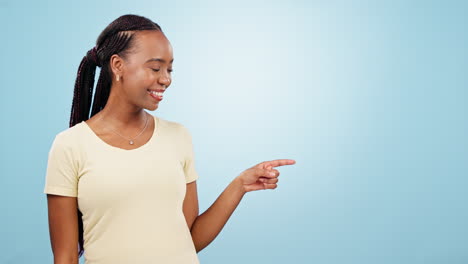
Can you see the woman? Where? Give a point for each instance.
(121, 183)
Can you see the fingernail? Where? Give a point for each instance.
(272, 174)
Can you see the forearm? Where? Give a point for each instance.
(209, 224)
(66, 260)
(66, 257)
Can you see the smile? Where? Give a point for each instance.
(156, 95)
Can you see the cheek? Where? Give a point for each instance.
(141, 76)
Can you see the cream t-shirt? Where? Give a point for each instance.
(131, 200)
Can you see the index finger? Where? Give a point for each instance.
(278, 162)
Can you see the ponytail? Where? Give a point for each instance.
(84, 88)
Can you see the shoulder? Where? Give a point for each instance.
(69, 136)
(173, 126)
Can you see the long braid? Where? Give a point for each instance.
(116, 38)
(83, 91)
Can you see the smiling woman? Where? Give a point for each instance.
(120, 198)
(121, 183)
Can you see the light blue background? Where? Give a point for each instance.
(369, 98)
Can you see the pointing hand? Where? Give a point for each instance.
(263, 176)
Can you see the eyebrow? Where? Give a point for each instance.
(158, 59)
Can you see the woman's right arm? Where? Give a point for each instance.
(63, 228)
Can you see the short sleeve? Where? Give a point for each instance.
(189, 164)
(61, 174)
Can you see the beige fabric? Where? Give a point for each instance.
(131, 200)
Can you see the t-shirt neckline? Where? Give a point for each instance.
(144, 146)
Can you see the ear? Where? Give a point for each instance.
(116, 64)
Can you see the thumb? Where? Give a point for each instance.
(269, 173)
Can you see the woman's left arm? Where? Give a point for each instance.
(208, 225)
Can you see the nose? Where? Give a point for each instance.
(165, 80)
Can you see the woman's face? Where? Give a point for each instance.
(148, 67)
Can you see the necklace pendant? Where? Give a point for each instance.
(131, 142)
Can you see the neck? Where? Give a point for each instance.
(120, 115)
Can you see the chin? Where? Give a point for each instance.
(153, 107)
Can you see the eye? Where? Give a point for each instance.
(156, 70)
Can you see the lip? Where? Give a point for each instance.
(158, 98)
(157, 90)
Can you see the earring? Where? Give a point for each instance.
(117, 78)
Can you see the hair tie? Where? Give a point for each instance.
(92, 56)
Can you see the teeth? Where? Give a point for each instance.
(160, 94)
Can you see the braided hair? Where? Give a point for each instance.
(116, 38)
